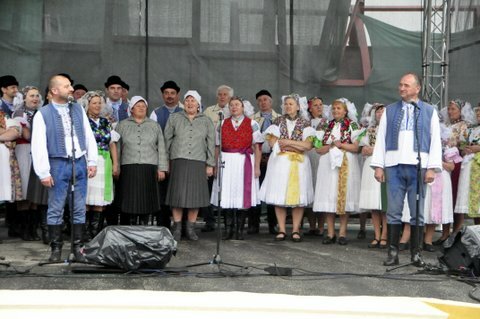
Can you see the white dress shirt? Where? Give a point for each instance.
(405, 154)
(41, 164)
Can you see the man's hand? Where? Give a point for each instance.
(367, 150)
(92, 171)
(429, 176)
(47, 181)
(160, 176)
(379, 174)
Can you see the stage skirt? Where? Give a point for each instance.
(5, 174)
(439, 209)
(232, 182)
(139, 189)
(100, 187)
(327, 185)
(188, 184)
(370, 190)
(277, 179)
(462, 205)
(24, 159)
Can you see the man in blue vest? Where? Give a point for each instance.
(52, 156)
(9, 86)
(113, 90)
(170, 94)
(395, 162)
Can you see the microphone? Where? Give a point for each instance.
(70, 99)
(220, 115)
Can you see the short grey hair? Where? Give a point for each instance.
(227, 88)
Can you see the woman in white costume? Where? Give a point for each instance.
(288, 181)
(338, 177)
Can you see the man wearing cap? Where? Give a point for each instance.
(52, 153)
(9, 86)
(264, 117)
(125, 90)
(79, 90)
(113, 89)
(170, 94)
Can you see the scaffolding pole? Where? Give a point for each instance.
(435, 46)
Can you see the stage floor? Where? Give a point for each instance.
(318, 270)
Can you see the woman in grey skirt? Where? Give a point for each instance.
(190, 144)
(143, 163)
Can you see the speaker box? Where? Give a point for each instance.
(462, 251)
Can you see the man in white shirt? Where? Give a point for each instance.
(406, 126)
(53, 155)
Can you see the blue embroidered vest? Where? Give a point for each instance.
(394, 120)
(55, 133)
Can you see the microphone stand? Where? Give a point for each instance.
(417, 257)
(217, 259)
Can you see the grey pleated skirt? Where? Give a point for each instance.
(188, 184)
(139, 191)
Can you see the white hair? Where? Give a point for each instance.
(226, 88)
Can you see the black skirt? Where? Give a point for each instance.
(188, 184)
(139, 191)
(36, 192)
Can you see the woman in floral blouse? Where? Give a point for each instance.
(468, 200)
(100, 188)
(288, 181)
(338, 179)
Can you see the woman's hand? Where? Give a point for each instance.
(448, 166)
(209, 171)
(338, 144)
(367, 150)
(160, 176)
(323, 150)
(115, 171)
(257, 172)
(471, 149)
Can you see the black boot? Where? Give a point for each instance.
(24, 217)
(393, 233)
(34, 222)
(415, 246)
(271, 219)
(55, 233)
(96, 223)
(254, 220)
(12, 220)
(241, 216)
(143, 219)
(177, 231)
(43, 224)
(87, 227)
(190, 231)
(77, 243)
(229, 225)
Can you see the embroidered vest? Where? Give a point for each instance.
(55, 133)
(394, 120)
(241, 138)
(163, 114)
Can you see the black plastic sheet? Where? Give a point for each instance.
(132, 247)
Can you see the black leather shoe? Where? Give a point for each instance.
(439, 242)
(329, 240)
(428, 247)
(362, 234)
(208, 228)
(342, 241)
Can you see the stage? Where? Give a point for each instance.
(317, 269)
